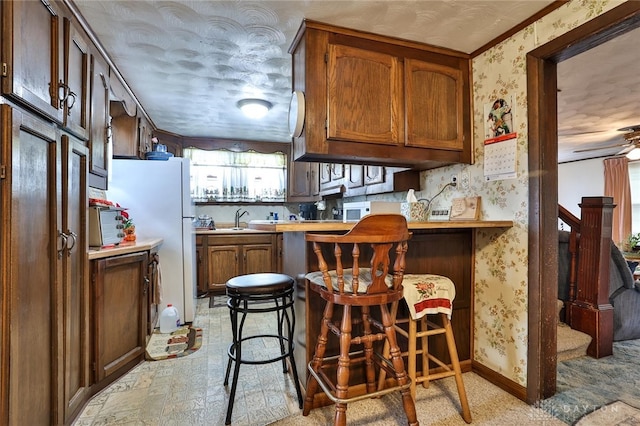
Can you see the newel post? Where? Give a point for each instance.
(591, 311)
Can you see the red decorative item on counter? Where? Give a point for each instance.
(99, 202)
(129, 227)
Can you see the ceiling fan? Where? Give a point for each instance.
(632, 138)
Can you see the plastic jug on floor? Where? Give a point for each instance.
(169, 319)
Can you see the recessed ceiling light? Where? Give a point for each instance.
(254, 108)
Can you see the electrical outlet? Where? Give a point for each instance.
(465, 180)
(454, 180)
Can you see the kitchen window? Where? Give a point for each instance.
(226, 176)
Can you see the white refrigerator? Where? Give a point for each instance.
(157, 195)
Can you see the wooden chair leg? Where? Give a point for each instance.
(455, 362)
(342, 383)
(398, 365)
(424, 344)
(316, 362)
(412, 355)
(370, 369)
(385, 349)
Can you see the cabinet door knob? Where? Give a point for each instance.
(62, 94)
(73, 238)
(62, 237)
(71, 100)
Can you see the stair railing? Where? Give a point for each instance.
(588, 308)
(574, 242)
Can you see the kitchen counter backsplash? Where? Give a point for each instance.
(224, 215)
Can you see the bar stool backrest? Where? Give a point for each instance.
(380, 232)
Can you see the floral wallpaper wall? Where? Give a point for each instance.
(501, 264)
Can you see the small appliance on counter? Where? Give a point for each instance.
(204, 222)
(357, 210)
(105, 226)
(106, 223)
(308, 211)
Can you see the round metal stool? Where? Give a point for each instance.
(260, 293)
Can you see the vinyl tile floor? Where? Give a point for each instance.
(190, 391)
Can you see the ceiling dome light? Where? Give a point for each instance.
(254, 108)
(634, 154)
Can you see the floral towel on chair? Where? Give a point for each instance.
(428, 294)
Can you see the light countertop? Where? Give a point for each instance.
(124, 248)
(337, 225)
(231, 231)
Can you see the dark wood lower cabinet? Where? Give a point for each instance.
(444, 252)
(119, 314)
(31, 270)
(224, 256)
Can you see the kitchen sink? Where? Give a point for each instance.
(235, 229)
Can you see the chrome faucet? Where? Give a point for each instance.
(238, 216)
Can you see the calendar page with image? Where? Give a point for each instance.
(500, 147)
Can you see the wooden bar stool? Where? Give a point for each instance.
(424, 295)
(260, 293)
(351, 286)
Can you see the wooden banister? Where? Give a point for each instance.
(569, 218)
(588, 307)
(574, 242)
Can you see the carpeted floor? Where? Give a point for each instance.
(585, 384)
(615, 414)
(437, 405)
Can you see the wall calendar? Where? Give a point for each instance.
(500, 159)
(500, 147)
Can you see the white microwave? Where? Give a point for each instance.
(356, 211)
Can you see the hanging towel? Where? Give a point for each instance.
(157, 291)
(428, 294)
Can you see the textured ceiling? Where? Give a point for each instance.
(598, 94)
(189, 62)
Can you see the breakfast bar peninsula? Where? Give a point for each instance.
(445, 248)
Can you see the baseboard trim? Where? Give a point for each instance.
(499, 380)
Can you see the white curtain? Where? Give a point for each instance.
(237, 176)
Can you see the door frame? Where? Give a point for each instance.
(543, 185)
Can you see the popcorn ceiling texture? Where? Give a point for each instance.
(190, 61)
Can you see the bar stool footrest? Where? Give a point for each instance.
(328, 387)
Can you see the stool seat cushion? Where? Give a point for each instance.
(428, 294)
(364, 279)
(263, 283)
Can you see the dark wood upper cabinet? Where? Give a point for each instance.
(380, 101)
(32, 50)
(75, 85)
(365, 100)
(99, 112)
(332, 178)
(434, 105)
